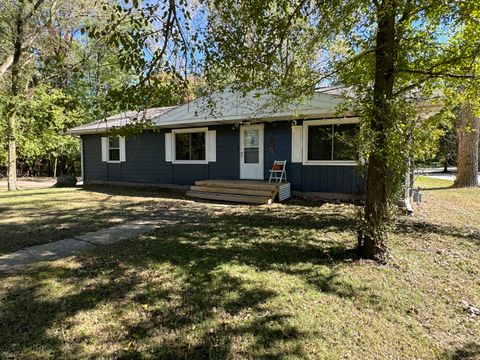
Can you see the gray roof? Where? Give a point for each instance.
(119, 120)
(229, 107)
(232, 107)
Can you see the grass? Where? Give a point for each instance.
(259, 282)
(429, 183)
(39, 216)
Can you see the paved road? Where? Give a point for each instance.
(445, 176)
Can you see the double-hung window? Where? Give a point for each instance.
(113, 149)
(327, 143)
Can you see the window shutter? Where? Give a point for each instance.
(212, 146)
(104, 148)
(297, 144)
(121, 143)
(168, 147)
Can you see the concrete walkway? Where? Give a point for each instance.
(90, 241)
(72, 246)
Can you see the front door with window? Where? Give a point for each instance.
(251, 152)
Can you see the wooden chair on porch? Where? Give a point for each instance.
(278, 172)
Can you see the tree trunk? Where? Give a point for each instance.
(55, 167)
(373, 234)
(468, 132)
(12, 108)
(12, 154)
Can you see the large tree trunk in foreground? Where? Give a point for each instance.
(12, 107)
(372, 236)
(468, 132)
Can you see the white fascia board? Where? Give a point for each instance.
(236, 119)
(227, 120)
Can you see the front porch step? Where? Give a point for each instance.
(234, 190)
(242, 191)
(239, 184)
(241, 198)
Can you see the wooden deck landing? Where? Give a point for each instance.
(243, 191)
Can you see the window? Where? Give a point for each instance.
(320, 142)
(251, 143)
(344, 142)
(329, 143)
(190, 145)
(114, 148)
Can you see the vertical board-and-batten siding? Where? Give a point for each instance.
(94, 167)
(227, 164)
(146, 163)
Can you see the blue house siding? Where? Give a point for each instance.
(227, 166)
(340, 179)
(145, 162)
(146, 159)
(187, 174)
(295, 176)
(93, 166)
(114, 171)
(277, 145)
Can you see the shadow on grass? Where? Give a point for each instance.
(136, 191)
(423, 227)
(186, 286)
(450, 187)
(52, 217)
(467, 352)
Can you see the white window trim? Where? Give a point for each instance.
(82, 168)
(190, 130)
(307, 123)
(296, 155)
(121, 148)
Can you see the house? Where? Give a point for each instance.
(239, 139)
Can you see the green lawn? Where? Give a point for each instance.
(38, 216)
(259, 282)
(426, 182)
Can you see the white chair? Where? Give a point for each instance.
(278, 171)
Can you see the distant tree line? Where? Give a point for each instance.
(56, 72)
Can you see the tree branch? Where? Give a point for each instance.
(6, 64)
(435, 74)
